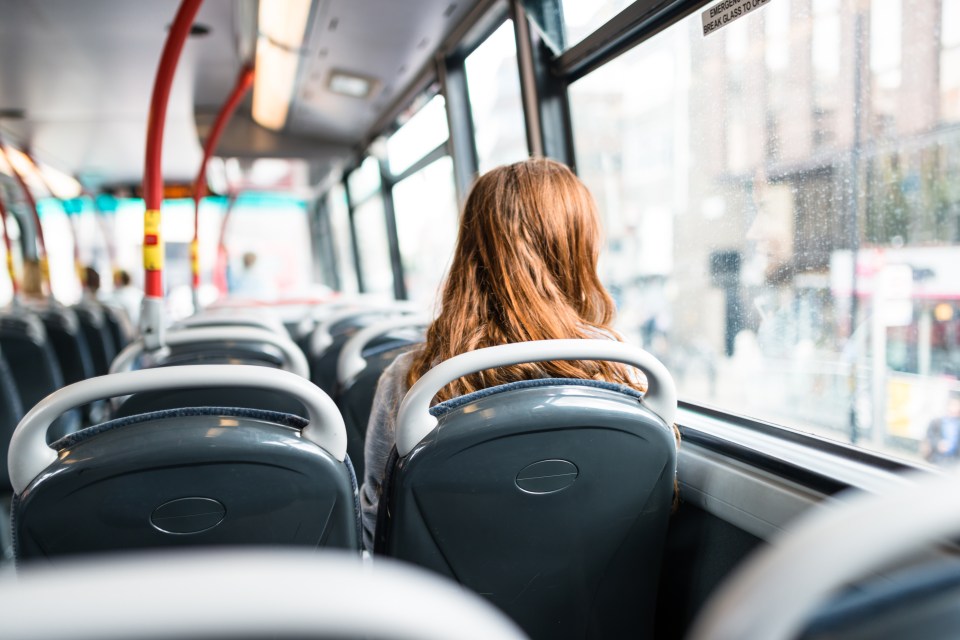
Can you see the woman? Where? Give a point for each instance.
(524, 268)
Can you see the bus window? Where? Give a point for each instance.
(950, 61)
(370, 225)
(426, 210)
(493, 83)
(369, 222)
(421, 134)
(340, 223)
(779, 235)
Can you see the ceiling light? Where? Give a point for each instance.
(349, 84)
(282, 25)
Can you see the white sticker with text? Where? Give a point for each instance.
(726, 11)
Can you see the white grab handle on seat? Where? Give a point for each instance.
(251, 593)
(414, 420)
(29, 453)
(296, 362)
(772, 594)
(321, 338)
(351, 361)
(233, 318)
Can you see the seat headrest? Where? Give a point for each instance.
(455, 403)
(276, 417)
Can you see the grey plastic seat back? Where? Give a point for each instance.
(211, 352)
(10, 413)
(355, 401)
(97, 333)
(323, 363)
(33, 365)
(69, 343)
(118, 327)
(549, 497)
(193, 477)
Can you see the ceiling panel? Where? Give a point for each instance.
(388, 40)
(83, 72)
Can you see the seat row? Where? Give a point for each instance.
(549, 497)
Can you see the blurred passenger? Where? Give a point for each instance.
(251, 282)
(91, 284)
(524, 268)
(127, 296)
(942, 443)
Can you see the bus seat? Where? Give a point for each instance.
(68, 342)
(333, 332)
(97, 332)
(34, 366)
(209, 345)
(361, 362)
(194, 476)
(119, 325)
(73, 353)
(11, 410)
(550, 497)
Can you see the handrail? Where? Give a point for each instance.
(29, 453)
(221, 593)
(151, 316)
(351, 361)
(414, 420)
(240, 89)
(296, 361)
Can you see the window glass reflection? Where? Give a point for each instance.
(420, 135)
(780, 236)
(371, 228)
(494, 87)
(426, 209)
(340, 226)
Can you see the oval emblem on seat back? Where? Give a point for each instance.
(547, 476)
(188, 515)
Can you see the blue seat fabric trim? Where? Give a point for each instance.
(454, 403)
(284, 419)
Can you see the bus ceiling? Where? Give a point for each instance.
(75, 78)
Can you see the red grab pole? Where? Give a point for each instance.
(151, 317)
(240, 89)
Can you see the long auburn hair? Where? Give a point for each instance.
(524, 268)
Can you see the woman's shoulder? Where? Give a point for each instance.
(396, 372)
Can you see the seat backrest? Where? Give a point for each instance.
(195, 476)
(330, 336)
(118, 324)
(10, 413)
(69, 343)
(33, 365)
(361, 362)
(550, 497)
(237, 345)
(97, 332)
